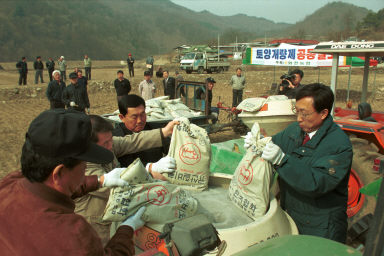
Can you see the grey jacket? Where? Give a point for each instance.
(238, 83)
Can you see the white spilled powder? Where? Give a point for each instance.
(216, 205)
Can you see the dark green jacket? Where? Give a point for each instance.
(314, 179)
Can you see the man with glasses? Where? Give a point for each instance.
(313, 158)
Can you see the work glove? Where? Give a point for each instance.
(165, 164)
(248, 140)
(273, 153)
(135, 221)
(72, 104)
(112, 179)
(88, 111)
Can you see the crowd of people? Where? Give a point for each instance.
(38, 66)
(70, 161)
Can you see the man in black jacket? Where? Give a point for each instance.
(55, 91)
(122, 85)
(134, 120)
(22, 67)
(75, 96)
(82, 80)
(38, 66)
(50, 64)
(169, 84)
(130, 62)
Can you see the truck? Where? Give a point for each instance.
(201, 61)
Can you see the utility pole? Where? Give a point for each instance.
(218, 47)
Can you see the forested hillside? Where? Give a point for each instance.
(107, 29)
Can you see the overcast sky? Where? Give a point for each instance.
(289, 11)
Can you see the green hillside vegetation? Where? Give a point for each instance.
(334, 21)
(107, 29)
(372, 26)
(110, 29)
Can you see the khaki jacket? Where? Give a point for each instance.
(92, 205)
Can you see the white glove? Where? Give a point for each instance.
(88, 111)
(273, 153)
(112, 179)
(135, 221)
(72, 104)
(248, 140)
(165, 164)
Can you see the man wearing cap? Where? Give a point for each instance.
(147, 87)
(92, 205)
(122, 85)
(87, 66)
(169, 84)
(55, 91)
(200, 94)
(75, 96)
(62, 67)
(37, 212)
(38, 66)
(50, 64)
(130, 62)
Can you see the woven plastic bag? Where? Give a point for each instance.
(164, 202)
(250, 185)
(252, 104)
(191, 148)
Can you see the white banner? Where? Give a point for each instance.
(291, 55)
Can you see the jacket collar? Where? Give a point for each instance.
(298, 135)
(49, 194)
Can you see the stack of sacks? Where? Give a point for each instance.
(161, 108)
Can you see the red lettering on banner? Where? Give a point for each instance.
(301, 54)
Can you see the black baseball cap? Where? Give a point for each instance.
(147, 73)
(73, 75)
(210, 80)
(66, 133)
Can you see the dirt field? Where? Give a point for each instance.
(21, 104)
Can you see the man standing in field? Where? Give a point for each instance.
(50, 64)
(147, 87)
(55, 91)
(62, 67)
(130, 62)
(122, 85)
(22, 67)
(169, 84)
(38, 66)
(149, 64)
(238, 84)
(87, 66)
(75, 96)
(82, 80)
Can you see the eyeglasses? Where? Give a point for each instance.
(299, 113)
